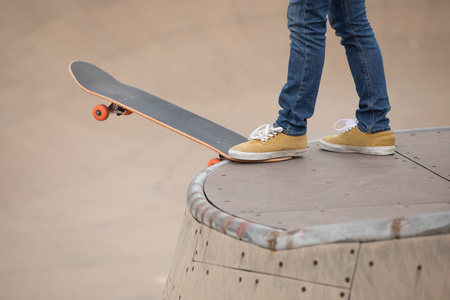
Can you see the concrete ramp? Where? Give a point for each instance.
(324, 226)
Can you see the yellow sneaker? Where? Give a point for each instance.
(267, 142)
(351, 139)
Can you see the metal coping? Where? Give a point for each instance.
(275, 239)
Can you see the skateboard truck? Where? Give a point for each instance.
(101, 112)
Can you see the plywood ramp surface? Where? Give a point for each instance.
(327, 188)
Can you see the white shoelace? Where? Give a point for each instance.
(349, 124)
(265, 132)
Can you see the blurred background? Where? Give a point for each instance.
(92, 210)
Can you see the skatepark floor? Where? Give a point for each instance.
(92, 210)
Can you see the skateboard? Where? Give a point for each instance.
(126, 99)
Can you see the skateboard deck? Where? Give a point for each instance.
(97, 82)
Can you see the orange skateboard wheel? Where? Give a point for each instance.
(100, 112)
(127, 112)
(214, 161)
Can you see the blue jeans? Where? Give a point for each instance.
(307, 24)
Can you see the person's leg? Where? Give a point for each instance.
(370, 133)
(307, 24)
(349, 19)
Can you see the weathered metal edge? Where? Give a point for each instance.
(275, 239)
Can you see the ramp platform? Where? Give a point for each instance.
(324, 226)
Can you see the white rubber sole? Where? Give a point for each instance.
(381, 150)
(265, 155)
